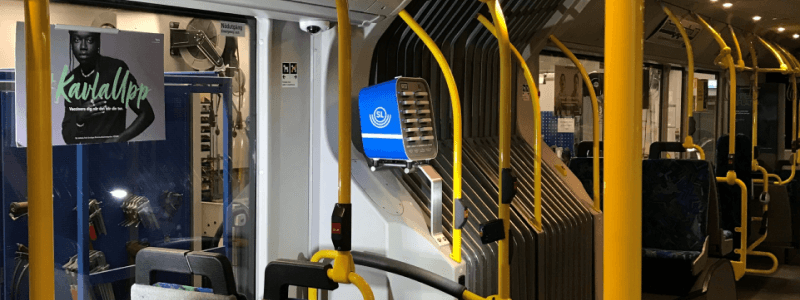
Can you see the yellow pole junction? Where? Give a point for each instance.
(456, 107)
(595, 119)
(688, 141)
(504, 210)
(343, 270)
(623, 163)
(40, 150)
(537, 143)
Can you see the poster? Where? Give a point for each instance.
(568, 91)
(107, 86)
(701, 95)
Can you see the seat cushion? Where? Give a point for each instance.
(670, 254)
(675, 200)
(146, 292)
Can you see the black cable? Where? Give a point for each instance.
(19, 281)
(409, 271)
(17, 264)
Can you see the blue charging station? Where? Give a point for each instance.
(397, 122)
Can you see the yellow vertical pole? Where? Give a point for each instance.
(537, 124)
(623, 155)
(344, 102)
(40, 149)
(504, 213)
(754, 59)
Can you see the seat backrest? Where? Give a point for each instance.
(586, 149)
(730, 195)
(583, 168)
(675, 203)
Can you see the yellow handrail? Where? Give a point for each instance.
(456, 110)
(504, 210)
(537, 123)
(595, 119)
(795, 67)
(784, 68)
(623, 164)
(726, 60)
(688, 141)
(754, 59)
(40, 150)
(740, 63)
(739, 266)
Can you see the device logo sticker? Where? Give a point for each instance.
(380, 118)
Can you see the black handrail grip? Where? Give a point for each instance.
(657, 148)
(214, 266)
(283, 273)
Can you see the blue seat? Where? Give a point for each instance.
(675, 204)
(679, 210)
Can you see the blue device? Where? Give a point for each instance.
(397, 123)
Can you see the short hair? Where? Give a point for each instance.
(73, 32)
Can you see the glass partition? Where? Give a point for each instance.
(166, 163)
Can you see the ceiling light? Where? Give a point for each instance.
(797, 36)
(714, 1)
(781, 29)
(756, 18)
(727, 5)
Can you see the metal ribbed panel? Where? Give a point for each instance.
(557, 263)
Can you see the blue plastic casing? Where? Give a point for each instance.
(381, 130)
(397, 121)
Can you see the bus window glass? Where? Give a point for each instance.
(171, 191)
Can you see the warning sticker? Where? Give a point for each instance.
(566, 125)
(289, 74)
(526, 93)
(231, 28)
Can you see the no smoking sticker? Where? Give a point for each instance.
(289, 75)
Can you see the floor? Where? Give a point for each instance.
(783, 284)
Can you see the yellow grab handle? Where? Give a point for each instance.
(784, 67)
(595, 119)
(688, 141)
(537, 143)
(329, 254)
(728, 62)
(361, 284)
(456, 110)
(504, 210)
(740, 63)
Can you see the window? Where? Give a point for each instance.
(171, 191)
